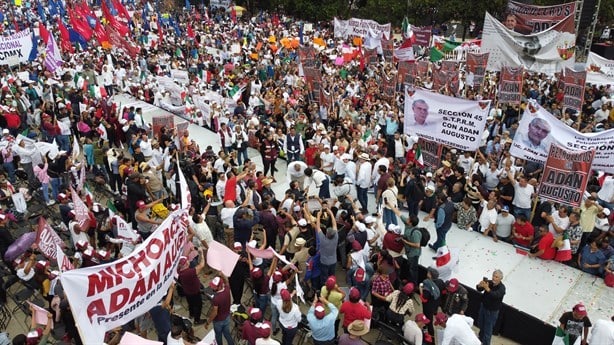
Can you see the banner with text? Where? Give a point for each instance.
(538, 129)
(361, 27)
(476, 68)
(510, 89)
(545, 52)
(599, 70)
(533, 19)
(422, 35)
(446, 120)
(574, 89)
(47, 239)
(110, 295)
(16, 48)
(431, 152)
(566, 175)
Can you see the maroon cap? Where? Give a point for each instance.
(440, 318)
(140, 204)
(285, 295)
(356, 246)
(580, 309)
(331, 282)
(277, 276)
(354, 293)
(319, 311)
(256, 273)
(422, 318)
(453, 285)
(255, 314)
(408, 288)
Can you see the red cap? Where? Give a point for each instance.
(359, 275)
(256, 273)
(356, 245)
(331, 282)
(440, 318)
(255, 314)
(140, 204)
(319, 311)
(580, 309)
(265, 328)
(453, 285)
(215, 283)
(285, 295)
(277, 276)
(354, 293)
(408, 288)
(422, 318)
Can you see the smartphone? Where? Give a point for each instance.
(485, 279)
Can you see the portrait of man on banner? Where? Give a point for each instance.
(536, 136)
(419, 120)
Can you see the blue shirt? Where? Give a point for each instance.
(323, 329)
(391, 126)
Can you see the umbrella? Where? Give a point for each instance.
(23, 243)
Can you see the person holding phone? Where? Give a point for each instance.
(493, 292)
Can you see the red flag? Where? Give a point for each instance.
(233, 14)
(47, 239)
(101, 35)
(160, 32)
(65, 38)
(190, 32)
(113, 22)
(80, 26)
(15, 24)
(121, 9)
(43, 32)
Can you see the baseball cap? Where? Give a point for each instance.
(285, 295)
(453, 285)
(319, 311)
(440, 318)
(62, 196)
(255, 313)
(256, 272)
(302, 222)
(300, 242)
(140, 204)
(215, 283)
(505, 208)
(237, 245)
(369, 219)
(429, 174)
(356, 246)
(580, 309)
(606, 211)
(277, 276)
(408, 288)
(422, 318)
(354, 293)
(265, 329)
(331, 282)
(72, 214)
(82, 244)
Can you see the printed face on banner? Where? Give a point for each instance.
(538, 129)
(446, 120)
(527, 19)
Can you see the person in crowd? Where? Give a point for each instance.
(220, 311)
(354, 309)
(322, 323)
(456, 300)
(493, 292)
(190, 283)
(576, 324)
(545, 247)
(457, 329)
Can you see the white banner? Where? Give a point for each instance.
(110, 295)
(16, 48)
(547, 52)
(180, 76)
(219, 3)
(404, 54)
(454, 122)
(361, 27)
(538, 129)
(599, 70)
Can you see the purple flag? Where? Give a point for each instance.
(53, 58)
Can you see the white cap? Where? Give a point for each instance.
(369, 219)
(5, 131)
(302, 222)
(606, 211)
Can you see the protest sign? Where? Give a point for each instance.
(510, 89)
(431, 152)
(566, 175)
(47, 239)
(538, 129)
(387, 49)
(574, 89)
(40, 315)
(221, 258)
(82, 215)
(446, 120)
(180, 76)
(361, 28)
(532, 18)
(600, 71)
(16, 48)
(422, 35)
(109, 295)
(476, 67)
(160, 121)
(63, 261)
(545, 52)
(220, 3)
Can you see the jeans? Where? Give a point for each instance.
(56, 183)
(63, 142)
(486, 323)
(389, 217)
(361, 195)
(10, 170)
(326, 271)
(292, 156)
(412, 268)
(287, 335)
(325, 189)
(262, 301)
(241, 156)
(274, 317)
(441, 237)
(222, 328)
(412, 207)
(524, 211)
(45, 188)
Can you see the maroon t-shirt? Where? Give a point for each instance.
(222, 301)
(262, 285)
(391, 242)
(189, 282)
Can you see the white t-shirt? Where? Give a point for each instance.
(172, 341)
(522, 195)
(412, 333)
(268, 341)
(560, 222)
(21, 273)
(504, 225)
(487, 217)
(203, 232)
(226, 215)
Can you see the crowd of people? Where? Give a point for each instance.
(336, 153)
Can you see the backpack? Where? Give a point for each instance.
(425, 238)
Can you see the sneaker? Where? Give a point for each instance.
(50, 202)
(199, 322)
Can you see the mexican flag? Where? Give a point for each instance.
(564, 252)
(418, 159)
(560, 337)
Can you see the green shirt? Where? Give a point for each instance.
(412, 236)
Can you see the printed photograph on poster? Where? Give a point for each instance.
(451, 121)
(536, 136)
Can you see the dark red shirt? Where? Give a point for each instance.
(391, 242)
(222, 301)
(189, 282)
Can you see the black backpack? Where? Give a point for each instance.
(426, 236)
